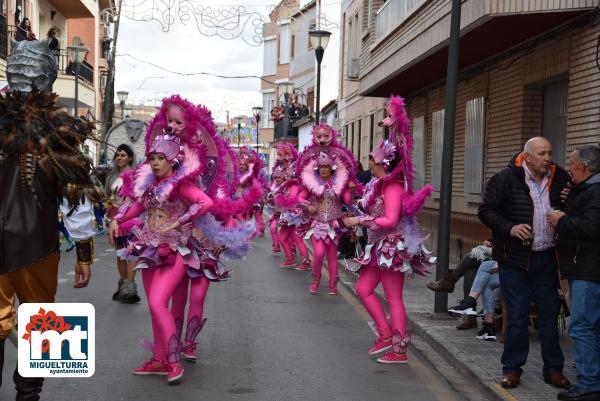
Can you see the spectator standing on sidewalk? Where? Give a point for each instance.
(578, 236)
(514, 208)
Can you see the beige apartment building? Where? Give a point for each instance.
(526, 68)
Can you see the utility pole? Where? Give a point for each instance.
(109, 92)
(443, 243)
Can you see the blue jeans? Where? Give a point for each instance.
(585, 330)
(485, 283)
(540, 283)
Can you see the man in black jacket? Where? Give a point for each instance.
(578, 236)
(514, 207)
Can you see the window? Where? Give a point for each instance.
(371, 131)
(270, 57)
(268, 104)
(386, 129)
(391, 14)
(475, 145)
(346, 134)
(437, 142)
(284, 44)
(418, 133)
(293, 46)
(359, 135)
(352, 137)
(311, 27)
(366, 21)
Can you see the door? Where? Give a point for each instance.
(554, 125)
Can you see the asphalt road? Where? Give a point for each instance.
(266, 338)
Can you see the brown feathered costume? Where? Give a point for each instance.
(40, 161)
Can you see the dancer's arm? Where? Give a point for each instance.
(392, 200)
(133, 211)
(200, 202)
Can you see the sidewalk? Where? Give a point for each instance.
(476, 360)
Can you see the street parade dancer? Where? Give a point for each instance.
(251, 186)
(395, 246)
(215, 232)
(164, 246)
(277, 180)
(119, 197)
(40, 161)
(292, 221)
(325, 169)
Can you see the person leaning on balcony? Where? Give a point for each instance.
(578, 235)
(514, 208)
(26, 26)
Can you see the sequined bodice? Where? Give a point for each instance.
(162, 213)
(377, 209)
(329, 206)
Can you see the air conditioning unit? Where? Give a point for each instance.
(354, 68)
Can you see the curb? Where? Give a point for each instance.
(471, 373)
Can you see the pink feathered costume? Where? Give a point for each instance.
(395, 246)
(324, 200)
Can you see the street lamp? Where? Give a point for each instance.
(256, 112)
(287, 88)
(77, 53)
(318, 41)
(239, 127)
(122, 96)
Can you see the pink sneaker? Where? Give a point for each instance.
(333, 290)
(275, 250)
(380, 346)
(392, 357)
(313, 286)
(151, 367)
(304, 266)
(189, 352)
(175, 373)
(288, 263)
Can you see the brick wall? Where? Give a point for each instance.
(85, 28)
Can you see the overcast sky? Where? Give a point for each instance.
(185, 49)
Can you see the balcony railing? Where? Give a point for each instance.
(391, 14)
(3, 36)
(63, 61)
(280, 129)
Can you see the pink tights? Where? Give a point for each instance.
(287, 238)
(159, 284)
(392, 281)
(260, 223)
(274, 235)
(199, 288)
(322, 248)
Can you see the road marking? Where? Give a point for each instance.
(63, 280)
(505, 393)
(70, 273)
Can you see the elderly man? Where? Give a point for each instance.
(514, 207)
(578, 236)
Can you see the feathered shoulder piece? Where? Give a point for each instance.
(283, 198)
(35, 133)
(189, 169)
(342, 167)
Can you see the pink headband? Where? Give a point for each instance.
(384, 153)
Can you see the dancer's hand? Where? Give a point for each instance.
(351, 221)
(173, 226)
(113, 231)
(83, 273)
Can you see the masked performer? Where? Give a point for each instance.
(251, 186)
(277, 180)
(292, 221)
(325, 169)
(40, 162)
(194, 127)
(395, 246)
(164, 247)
